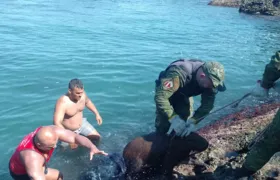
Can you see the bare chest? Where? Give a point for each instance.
(74, 108)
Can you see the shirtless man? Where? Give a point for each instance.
(30, 158)
(68, 112)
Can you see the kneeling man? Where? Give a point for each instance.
(69, 108)
(30, 158)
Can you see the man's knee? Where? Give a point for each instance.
(54, 174)
(88, 130)
(91, 133)
(94, 137)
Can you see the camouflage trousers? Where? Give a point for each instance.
(183, 107)
(265, 147)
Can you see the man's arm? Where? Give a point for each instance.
(165, 88)
(91, 106)
(71, 137)
(207, 104)
(33, 163)
(59, 112)
(272, 71)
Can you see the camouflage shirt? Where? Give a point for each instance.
(272, 71)
(182, 76)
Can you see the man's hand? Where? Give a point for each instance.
(94, 150)
(99, 119)
(189, 127)
(259, 91)
(177, 125)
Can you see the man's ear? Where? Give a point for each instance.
(69, 91)
(38, 144)
(202, 75)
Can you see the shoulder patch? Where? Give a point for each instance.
(167, 84)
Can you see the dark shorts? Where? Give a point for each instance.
(19, 177)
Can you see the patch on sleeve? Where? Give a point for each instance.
(168, 84)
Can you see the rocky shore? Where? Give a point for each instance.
(229, 140)
(227, 3)
(256, 7)
(262, 7)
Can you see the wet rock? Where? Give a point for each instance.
(228, 3)
(263, 7)
(229, 140)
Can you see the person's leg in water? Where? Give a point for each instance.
(86, 130)
(53, 174)
(90, 132)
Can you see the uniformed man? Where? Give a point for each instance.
(176, 86)
(269, 143)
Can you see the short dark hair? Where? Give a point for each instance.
(75, 83)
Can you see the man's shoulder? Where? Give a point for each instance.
(30, 155)
(64, 99)
(85, 97)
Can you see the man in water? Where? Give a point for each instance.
(69, 108)
(29, 161)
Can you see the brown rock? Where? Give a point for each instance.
(229, 139)
(228, 3)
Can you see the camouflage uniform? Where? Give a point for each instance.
(266, 147)
(176, 86)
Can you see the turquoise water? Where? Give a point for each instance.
(117, 48)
